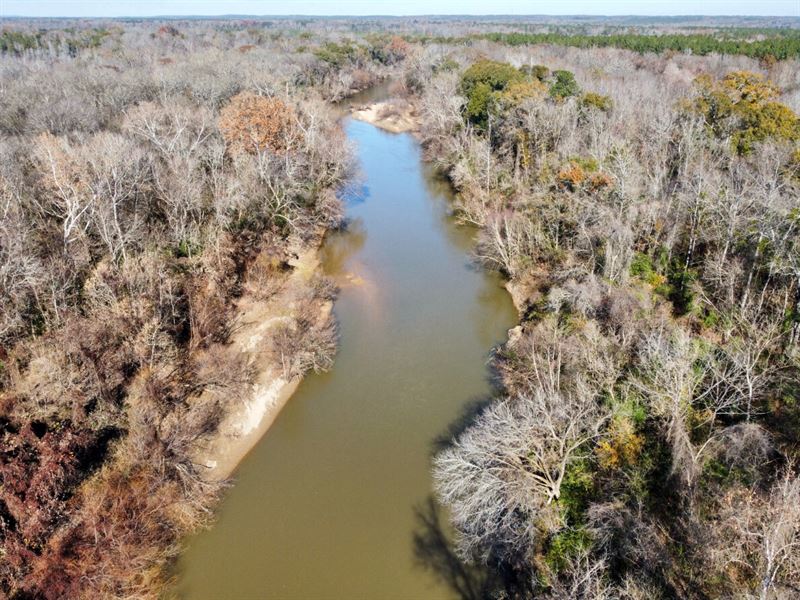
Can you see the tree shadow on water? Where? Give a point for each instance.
(471, 410)
(434, 551)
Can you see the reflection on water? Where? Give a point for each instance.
(342, 245)
(355, 193)
(328, 504)
(342, 263)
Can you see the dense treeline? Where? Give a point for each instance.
(147, 183)
(17, 42)
(776, 46)
(769, 45)
(645, 213)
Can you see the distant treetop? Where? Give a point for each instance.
(777, 44)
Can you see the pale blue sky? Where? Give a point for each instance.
(115, 8)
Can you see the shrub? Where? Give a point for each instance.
(480, 83)
(495, 75)
(576, 491)
(338, 55)
(565, 546)
(572, 176)
(598, 101)
(642, 267)
(564, 85)
(621, 446)
(168, 30)
(398, 48)
(742, 106)
(599, 181)
(251, 123)
(580, 171)
(518, 91)
(681, 281)
(539, 72)
(445, 65)
(477, 109)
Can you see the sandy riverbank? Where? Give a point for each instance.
(395, 115)
(251, 416)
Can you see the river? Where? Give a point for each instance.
(326, 505)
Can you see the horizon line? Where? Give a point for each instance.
(350, 16)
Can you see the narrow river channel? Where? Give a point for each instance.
(324, 506)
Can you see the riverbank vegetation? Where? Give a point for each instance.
(645, 213)
(147, 185)
(639, 192)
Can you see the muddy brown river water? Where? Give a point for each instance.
(327, 505)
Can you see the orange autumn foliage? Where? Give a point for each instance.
(252, 124)
(572, 176)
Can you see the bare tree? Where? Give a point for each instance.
(761, 535)
(181, 137)
(69, 200)
(119, 171)
(745, 367)
(676, 379)
(21, 274)
(499, 477)
(584, 579)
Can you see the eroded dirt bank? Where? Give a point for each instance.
(250, 418)
(273, 383)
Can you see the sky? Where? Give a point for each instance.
(138, 8)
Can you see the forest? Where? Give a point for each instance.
(638, 192)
